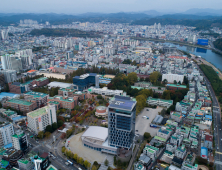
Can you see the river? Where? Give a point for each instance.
(208, 55)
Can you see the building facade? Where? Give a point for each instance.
(6, 132)
(121, 122)
(40, 118)
(21, 105)
(19, 141)
(85, 81)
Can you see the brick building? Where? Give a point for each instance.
(70, 92)
(21, 105)
(65, 102)
(17, 87)
(39, 98)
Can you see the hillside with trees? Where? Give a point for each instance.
(59, 32)
(218, 44)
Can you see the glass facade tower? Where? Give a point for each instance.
(121, 122)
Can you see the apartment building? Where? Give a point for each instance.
(6, 132)
(19, 141)
(65, 102)
(181, 152)
(21, 105)
(40, 118)
(39, 98)
(164, 133)
(151, 151)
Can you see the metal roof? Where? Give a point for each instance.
(96, 132)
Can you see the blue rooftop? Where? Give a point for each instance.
(8, 146)
(3, 94)
(122, 102)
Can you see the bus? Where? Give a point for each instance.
(69, 162)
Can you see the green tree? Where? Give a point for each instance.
(40, 134)
(94, 167)
(49, 129)
(154, 76)
(54, 126)
(81, 161)
(141, 103)
(132, 77)
(75, 157)
(146, 135)
(174, 82)
(106, 162)
(86, 163)
(63, 149)
(165, 81)
(60, 123)
(99, 97)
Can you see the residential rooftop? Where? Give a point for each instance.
(19, 101)
(38, 112)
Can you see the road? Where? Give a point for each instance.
(217, 124)
(55, 148)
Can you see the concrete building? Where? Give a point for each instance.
(164, 133)
(159, 102)
(10, 75)
(21, 105)
(19, 141)
(25, 164)
(105, 91)
(40, 118)
(171, 77)
(151, 151)
(181, 152)
(121, 122)
(85, 81)
(11, 62)
(6, 132)
(101, 111)
(96, 137)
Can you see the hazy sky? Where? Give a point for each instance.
(107, 6)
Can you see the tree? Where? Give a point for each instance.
(60, 123)
(47, 134)
(132, 77)
(154, 76)
(99, 97)
(75, 157)
(63, 135)
(49, 129)
(40, 134)
(146, 135)
(179, 82)
(54, 126)
(94, 167)
(174, 82)
(165, 81)
(126, 61)
(141, 103)
(86, 163)
(109, 168)
(63, 149)
(106, 162)
(81, 161)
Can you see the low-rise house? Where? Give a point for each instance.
(181, 152)
(151, 151)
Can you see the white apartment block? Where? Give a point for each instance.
(186, 166)
(40, 118)
(171, 77)
(6, 132)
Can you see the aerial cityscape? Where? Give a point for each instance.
(110, 89)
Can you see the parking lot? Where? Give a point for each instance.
(143, 125)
